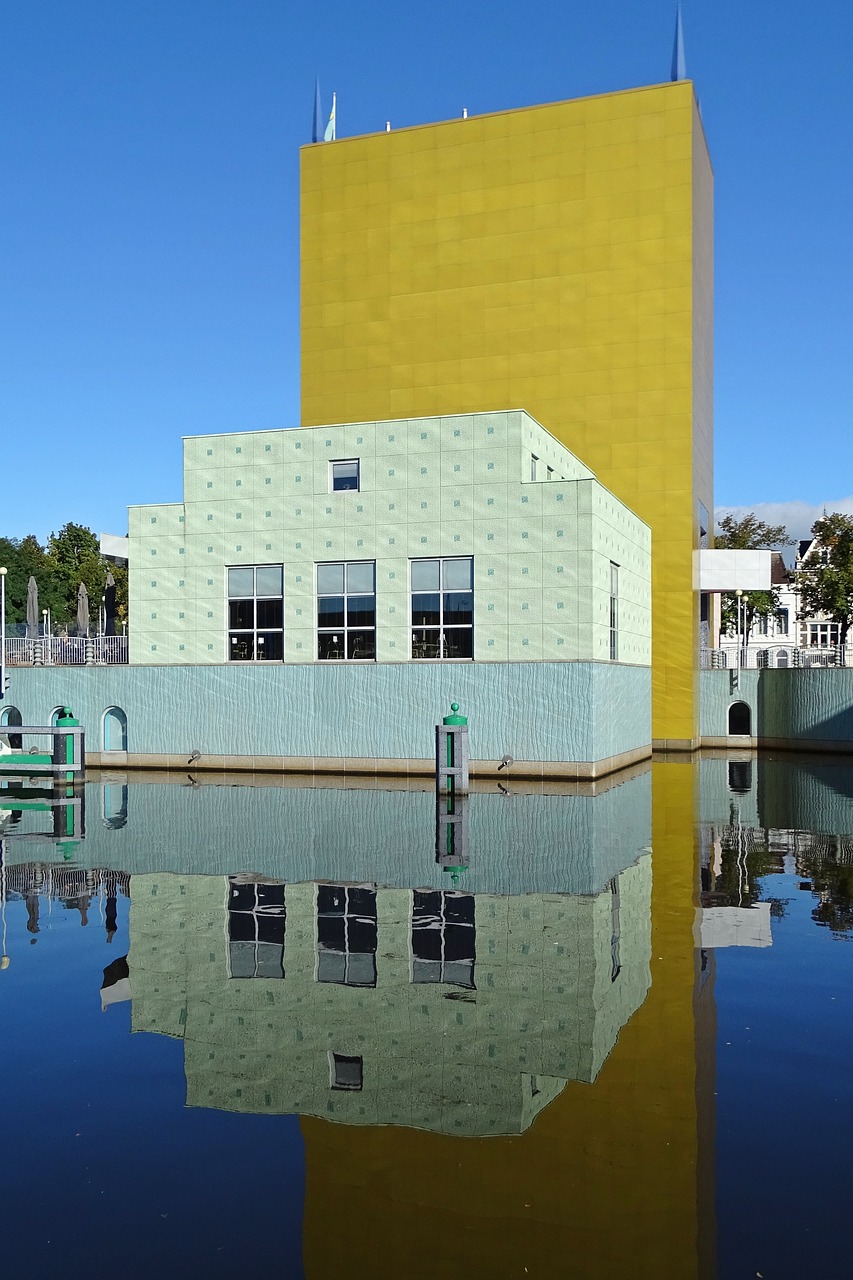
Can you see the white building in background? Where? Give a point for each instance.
(784, 639)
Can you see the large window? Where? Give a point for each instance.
(256, 613)
(346, 935)
(443, 608)
(256, 920)
(346, 610)
(824, 635)
(443, 938)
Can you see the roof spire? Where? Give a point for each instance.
(679, 67)
(317, 130)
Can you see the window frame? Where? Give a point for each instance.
(347, 916)
(345, 629)
(442, 626)
(260, 911)
(254, 631)
(445, 928)
(345, 488)
(613, 619)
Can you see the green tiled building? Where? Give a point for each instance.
(478, 536)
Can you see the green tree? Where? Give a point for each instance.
(749, 534)
(75, 556)
(25, 558)
(826, 585)
(71, 556)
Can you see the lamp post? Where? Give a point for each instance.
(740, 661)
(2, 632)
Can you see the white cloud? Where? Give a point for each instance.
(797, 517)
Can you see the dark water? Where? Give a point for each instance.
(294, 1029)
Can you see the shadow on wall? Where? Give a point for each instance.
(814, 705)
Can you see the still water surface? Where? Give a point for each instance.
(317, 1030)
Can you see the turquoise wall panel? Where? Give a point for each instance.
(534, 711)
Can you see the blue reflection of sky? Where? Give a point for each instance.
(103, 1170)
(784, 1105)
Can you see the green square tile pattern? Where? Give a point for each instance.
(445, 486)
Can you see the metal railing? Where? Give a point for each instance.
(729, 657)
(65, 651)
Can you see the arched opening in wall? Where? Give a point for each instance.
(114, 730)
(55, 714)
(10, 716)
(115, 805)
(740, 720)
(782, 658)
(740, 776)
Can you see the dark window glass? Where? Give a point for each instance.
(330, 645)
(270, 615)
(241, 614)
(361, 611)
(459, 608)
(458, 642)
(269, 646)
(330, 611)
(361, 644)
(241, 647)
(426, 644)
(426, 610)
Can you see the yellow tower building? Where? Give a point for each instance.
(556, 259)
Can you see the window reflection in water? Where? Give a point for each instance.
(346, 935)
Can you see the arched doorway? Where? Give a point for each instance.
(10, 716)
(740, 720)
(114, 730)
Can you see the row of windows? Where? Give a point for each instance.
(441, 601)
(442, 934)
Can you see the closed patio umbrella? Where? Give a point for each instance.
(33, 614)
(110, 604)
(82, 610)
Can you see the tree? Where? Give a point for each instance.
(71, 556)
(825, 583)
(749, 534)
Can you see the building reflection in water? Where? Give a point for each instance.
(479, 1082)
(440, 1009)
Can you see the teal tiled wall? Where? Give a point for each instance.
(534, 711)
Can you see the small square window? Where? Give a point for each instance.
(344, 475)
(346, 1072)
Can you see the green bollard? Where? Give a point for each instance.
(67, 721)
(455, 718)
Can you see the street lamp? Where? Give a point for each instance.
(2, 632)
(740, 660)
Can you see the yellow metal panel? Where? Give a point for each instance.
(556, 259)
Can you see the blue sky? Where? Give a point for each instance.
(149, 216)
